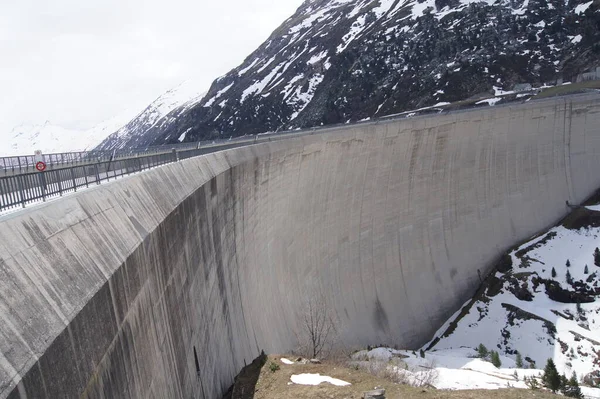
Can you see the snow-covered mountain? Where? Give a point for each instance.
(543, 302)
(110, 134)
(25, 139)
(159, 115)
(335, 61)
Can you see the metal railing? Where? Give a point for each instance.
(19, 190)
(26, 163)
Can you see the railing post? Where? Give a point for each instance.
(42, 179)
(73, 177)
(97, 173)
(175, 155)
(21, 189)
(59, 180)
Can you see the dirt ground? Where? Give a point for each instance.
(258, 381)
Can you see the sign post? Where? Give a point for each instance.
(40, 165)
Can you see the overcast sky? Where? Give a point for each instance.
(79, 62)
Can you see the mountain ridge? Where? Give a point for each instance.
(337, 61)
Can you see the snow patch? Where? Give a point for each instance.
(581, 8)
(316, 379)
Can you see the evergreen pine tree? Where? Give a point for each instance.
(553, 273)
(586, 270)
(519, 361)
(568, 263)
(422, 353)
(572, 389)
(564, 384)
(482, 351)
(569, 278)
(495, 359)
(597, 257)
(551, 378)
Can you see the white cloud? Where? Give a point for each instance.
(77, 63)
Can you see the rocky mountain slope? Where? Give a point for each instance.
(159, 114)
(336, 61)
(543, 302)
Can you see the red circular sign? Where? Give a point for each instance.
(41, 166)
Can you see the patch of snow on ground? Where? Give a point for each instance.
(418, 9)
(499, 92)
(243, 71)
(300, 99)
(286, 361)
(521, 11)
(594, 208)
(210, 102)
(576, 39)
(316, 379)
(580, 9)
(541, 328)
(317, 57)
(258, 87)
(384, 6)
(489, 101)
(355, 30)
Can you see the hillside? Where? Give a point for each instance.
(543, 302)
(336, 61)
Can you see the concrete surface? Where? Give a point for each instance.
(110, 292)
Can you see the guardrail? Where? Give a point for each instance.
(26, 163)
(19, 190)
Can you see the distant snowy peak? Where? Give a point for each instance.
(158, 115)
(27, 138)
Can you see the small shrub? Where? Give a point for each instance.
(422, 353)
(482, 351)
(531, 383)
(273, 367)
(597, 257)
(519, 361)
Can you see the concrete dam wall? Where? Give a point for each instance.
(114, 291)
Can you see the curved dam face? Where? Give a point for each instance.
(117, 290)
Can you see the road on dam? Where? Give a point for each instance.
(112, 291)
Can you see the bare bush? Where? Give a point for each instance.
(317, 326)
(426, 377)
(423, 376)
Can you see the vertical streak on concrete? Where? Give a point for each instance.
(567, 148)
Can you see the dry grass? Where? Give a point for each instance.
(275, 385)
